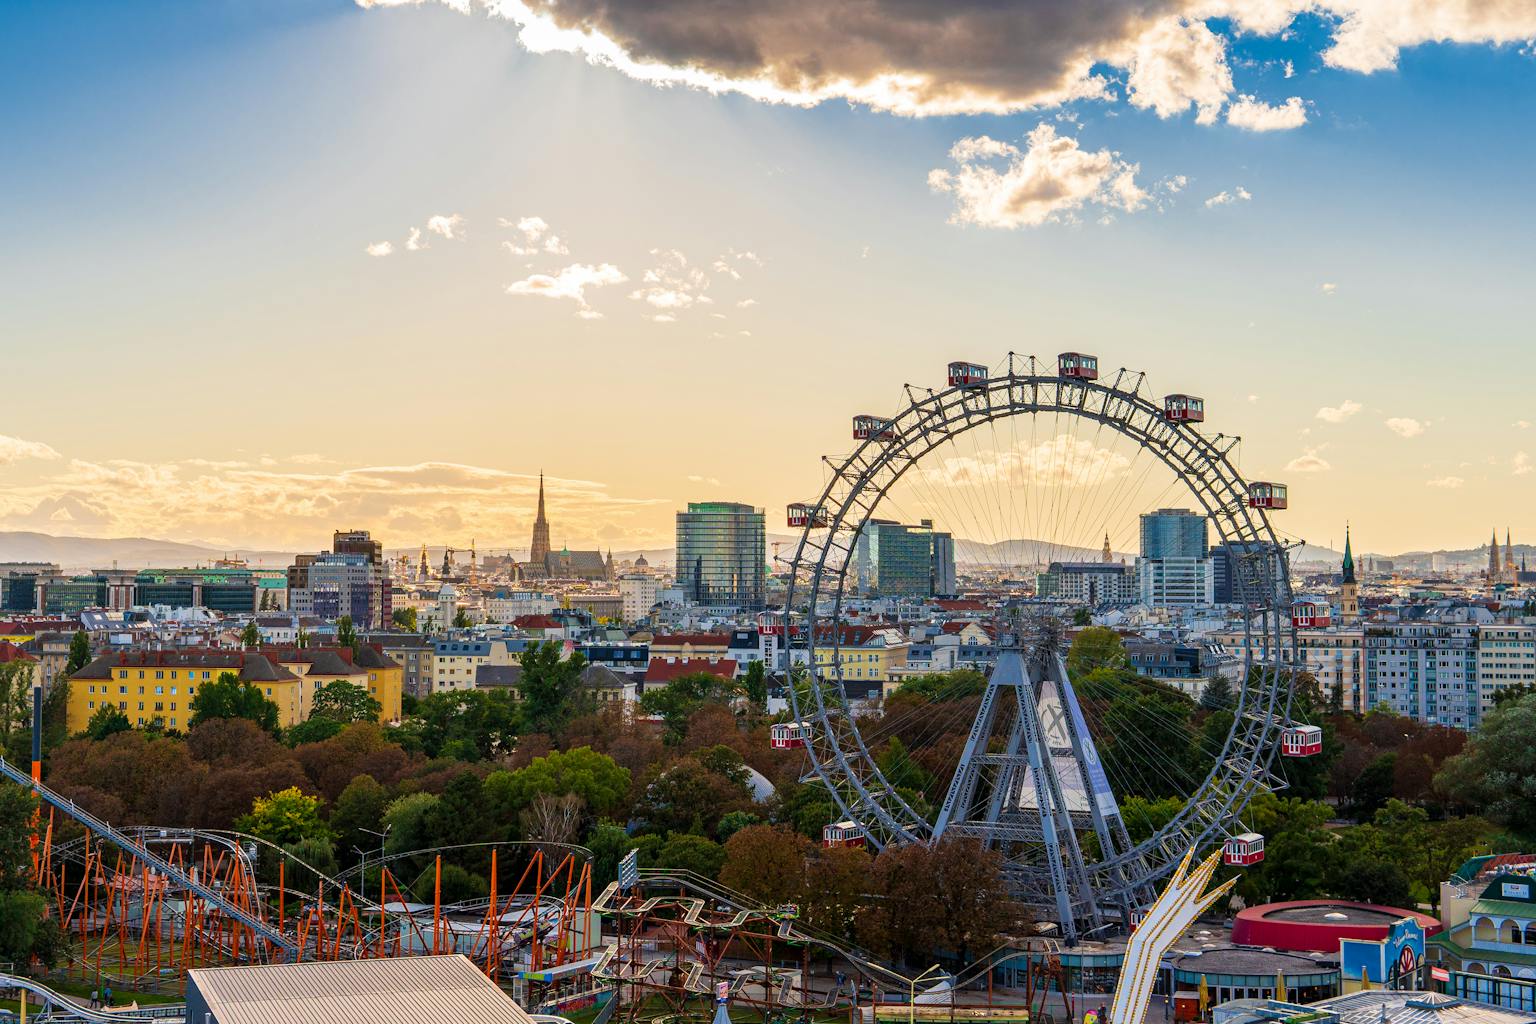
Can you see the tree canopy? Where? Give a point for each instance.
(231, 697)
(344, 702)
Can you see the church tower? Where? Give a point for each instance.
(1493, 557)
(1509, 557)
(1108, 555)
(538, 551)
(1349, 590)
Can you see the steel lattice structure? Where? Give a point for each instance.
(1038, 830)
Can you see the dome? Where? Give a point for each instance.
(640, 561)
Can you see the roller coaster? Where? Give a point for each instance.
(144, 905)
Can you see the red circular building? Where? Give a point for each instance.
(1318, 925)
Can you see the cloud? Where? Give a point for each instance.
(746, 303)
(380, 249)
(450, 226)
(1062, 461)
(998, 185)
(1445, 482)
(1403, 426)
(537, 237)
(1520, 464)
(1309, 462)
(731, 262)
(14, 449)
(1175, 183)
(978, 56)
(1339, 413)
(1521, 424)
(1258, 116)
(570, 283)
(1329, 287)
(414, 243)
(672, 284)
(1237, 195)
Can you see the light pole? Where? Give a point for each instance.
(363, 870)
(912, 998)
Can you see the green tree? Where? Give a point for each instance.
(461, 619)
(734, 822)
(1373, 879)
(953, 685)
(1496, 774)
(677, 702)
(551, 688)
(357, 813)
(105, 721)
(344, 702)
(250, 636)
(1374, 787)
(691, 853)
(312, 730)
(596, 778)
(693, 794)
(285, 817)
(79, 653)
(609, 843)
(1082, 617)
(405, 618)
(1297, 850)
(1216, 695)
(407, 820)
(27, 932)
(230, 697)
(480, 723)
(16, 708)
(346, 633)
(1096, 647)
(754, 685)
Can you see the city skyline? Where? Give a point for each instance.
(1315, 269)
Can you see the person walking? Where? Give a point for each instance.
(95, 999)
(106, 997)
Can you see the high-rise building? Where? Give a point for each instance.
(721, 551)
(1427, 671)
(1173, 533)
(896, 560)
(538, 551)
(351, 579)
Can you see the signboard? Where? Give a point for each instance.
(1397, 955)
(1516, 890)
(629, 870)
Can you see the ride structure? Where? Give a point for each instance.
(1030, 782)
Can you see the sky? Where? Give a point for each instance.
(276, 267)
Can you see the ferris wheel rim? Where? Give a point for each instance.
(1262, 708)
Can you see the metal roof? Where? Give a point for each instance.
(401, 990)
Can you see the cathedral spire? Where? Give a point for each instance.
(1349, 558)
(1509, 553)
(1493, 556)
(1108, 556)
(538, 551)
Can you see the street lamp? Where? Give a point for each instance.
(912, 998)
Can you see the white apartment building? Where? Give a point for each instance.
(638, 594)
(1506, 656)
(1425, 670)
(1176, 582)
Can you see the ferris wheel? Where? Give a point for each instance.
(1089, 801)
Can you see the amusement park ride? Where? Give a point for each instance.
(1030, 782)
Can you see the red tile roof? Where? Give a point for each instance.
(695, 639)
(10, 652)
(535, 622)
(662, 671)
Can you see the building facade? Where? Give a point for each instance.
(721, 552)
(1427, 671)
(896, 560)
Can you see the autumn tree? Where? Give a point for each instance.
(948, 898)
(694, 793)
(766, 863)
(285, 817)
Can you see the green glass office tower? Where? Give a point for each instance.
(721, 551)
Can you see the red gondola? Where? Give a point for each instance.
(1243, 850)
(1311, 614)
(866, 427)
(843, 833)
(1078, 366)
(967, 375)
(802, 514)
(1184, 409)
(786, 735)
(1266, 495)
(1301, 741)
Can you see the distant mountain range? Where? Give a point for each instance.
(79, 553)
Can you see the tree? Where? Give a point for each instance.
(609, 843)
(684, 852)
(1298, 850)
(1496, 773)
(357, 814)
(1374, 787)
(837, 884)
(16, 707)
(754, 685)
(285, 817)
(553, 819)
(79, 653)
(595, 779)
(952, 685)
(1082, 617)
(767, 863)
(551, 687)
(346, 633)
(250, 636)
(1094, 648)
(406, 820)
(485, 723)
(682, 697)
(312, 730)
(693, 794)
(405, 618)
(344, 702)
(105, 721)
(1374, 879)
(230, 697)
(1217, 694)
(461, 619)
(734, 822)
(26, 930)
(946, 899)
